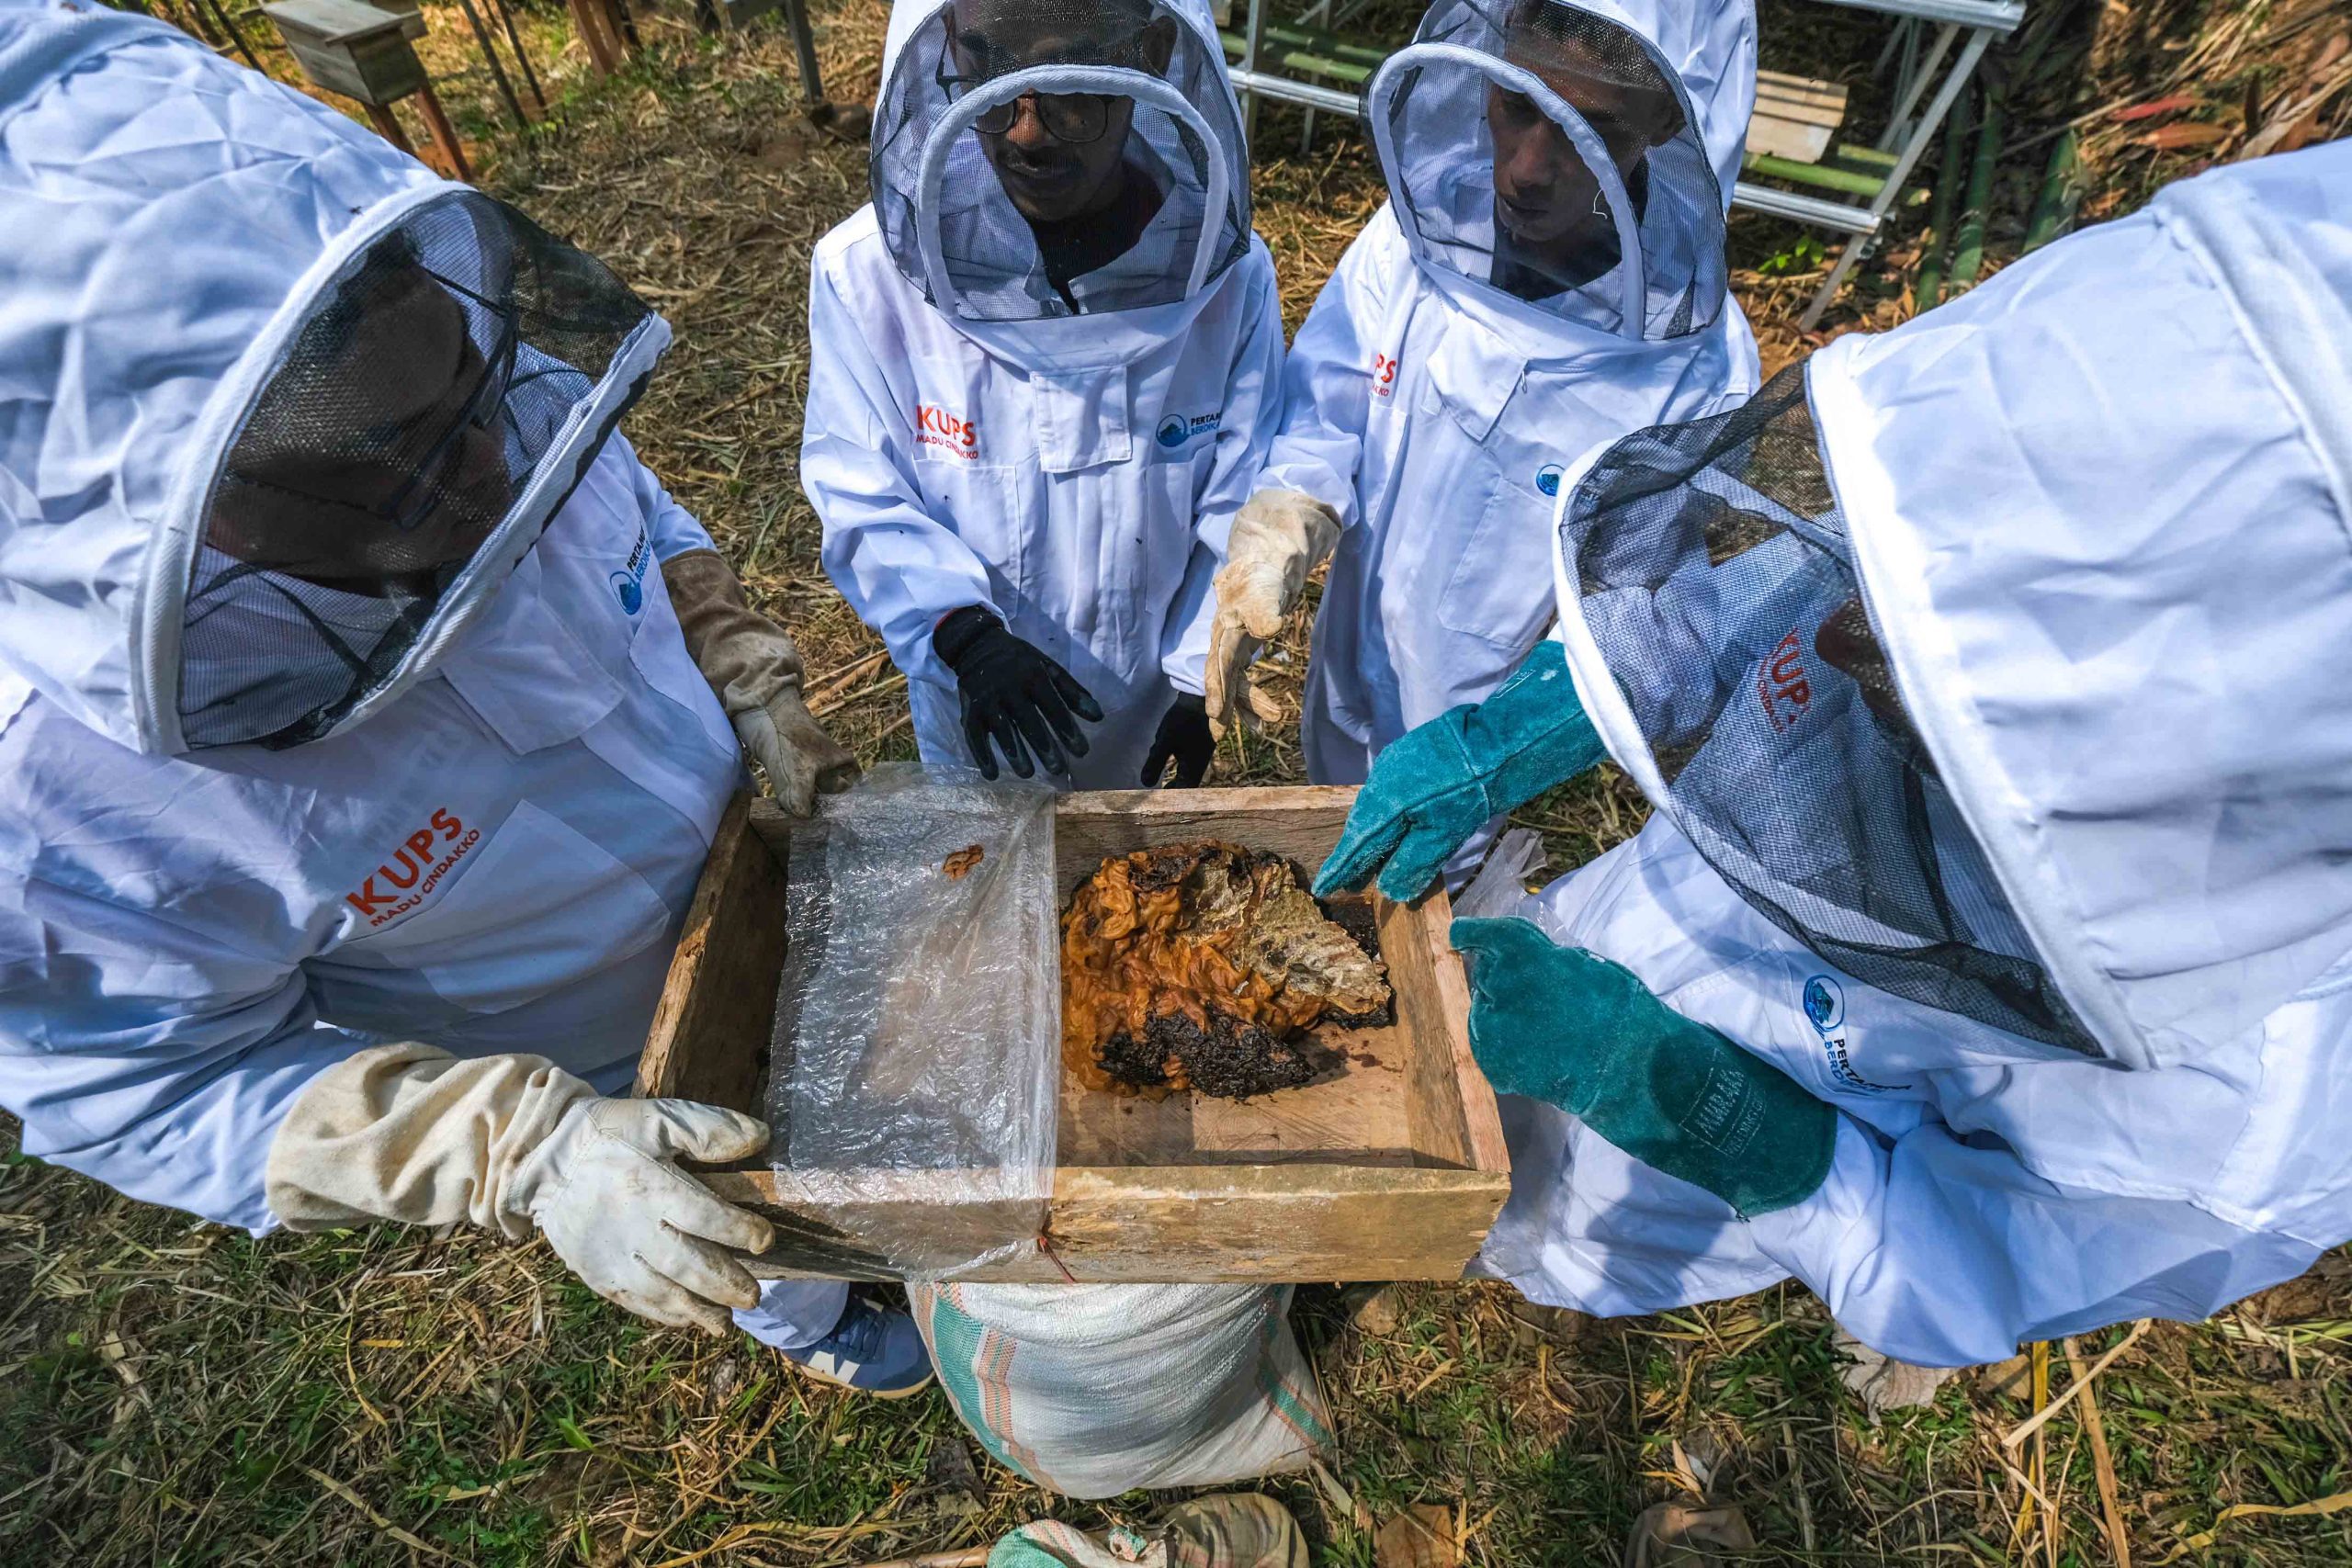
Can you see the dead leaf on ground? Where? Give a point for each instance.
(1685, 1535)
(1420, 1537)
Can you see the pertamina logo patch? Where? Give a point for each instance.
(1823, 1001)
(1782, 687)
(629, 582)
(934, 426)
(423, 861)
(1177, 429)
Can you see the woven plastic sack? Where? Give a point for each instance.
(1095, 1389)
(915, 1085)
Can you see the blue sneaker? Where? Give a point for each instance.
(870, 1349)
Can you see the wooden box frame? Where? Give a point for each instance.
(1394, 1172)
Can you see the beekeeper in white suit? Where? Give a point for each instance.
(1547, 273)
(1987, 966)
(1045, 363)
(356, 762)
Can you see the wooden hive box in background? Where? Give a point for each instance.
(350, 48)
(1394, 1170)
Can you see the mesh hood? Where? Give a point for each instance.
(2104, 507)
(1715, 585)
(250, 494)
(1998, 658)
(1558, 156)
(1140, 200)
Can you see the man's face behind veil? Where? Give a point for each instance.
(1063, 155)
(413, 476)
(1546, 194)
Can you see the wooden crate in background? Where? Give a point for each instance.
(1393, 1170)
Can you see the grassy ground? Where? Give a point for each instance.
(172, 1393)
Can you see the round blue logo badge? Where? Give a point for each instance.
(1547, 479)
(1172, 431)
(1825, 1003)
(632, 592)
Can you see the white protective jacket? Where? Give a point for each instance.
(1076, 475)
(1433, 414)
(2099, 509)
(493, 853)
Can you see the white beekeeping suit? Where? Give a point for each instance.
(1986, 676)
(1449, 368)
(353, 764)
(1062, 454)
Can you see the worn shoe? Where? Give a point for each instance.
(870, 1349)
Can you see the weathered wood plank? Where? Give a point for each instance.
(709, 1037)
(1093, 824)
(1199, 1223)
(1481, 1121)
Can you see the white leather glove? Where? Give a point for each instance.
(756, 671)
(1279, 537)
(411, 1133)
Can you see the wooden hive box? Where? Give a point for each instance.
(1394, 1169)
(350, 48)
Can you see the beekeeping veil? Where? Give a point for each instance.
(944, 210)
(2000, 658)
(1574, 157)
(279, 410)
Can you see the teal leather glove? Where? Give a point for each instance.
(1558, 1024)
(1439, 784)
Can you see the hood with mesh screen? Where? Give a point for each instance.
(1567, 156)
(1138, 199)
(248, 496)
(1714, 583)
(1997, 658)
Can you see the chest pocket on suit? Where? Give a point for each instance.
(536, 907)
(1500, 589)
(976, 467)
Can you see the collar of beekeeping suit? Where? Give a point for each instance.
(280, 410)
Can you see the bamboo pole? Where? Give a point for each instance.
(1968, 241)
(2061, 190)
(1927, 285)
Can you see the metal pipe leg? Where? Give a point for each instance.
(1898, 125)
(497, 71)
(1978, 39)
(514, 41)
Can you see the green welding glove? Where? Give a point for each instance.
(1439, 784)
(1558, 1024)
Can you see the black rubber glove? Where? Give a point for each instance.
(1012, 693)
(1183, 738)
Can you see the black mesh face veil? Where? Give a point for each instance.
(403, 432)
(1715, 580)
(1036, 159)
(1507, 131)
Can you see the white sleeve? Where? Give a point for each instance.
(1252, 415)
(899, 568)
(1327, 379)
(148, 1048)
(673, 529)
(1936, 1251)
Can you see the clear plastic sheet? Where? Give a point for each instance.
(915, 1077)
